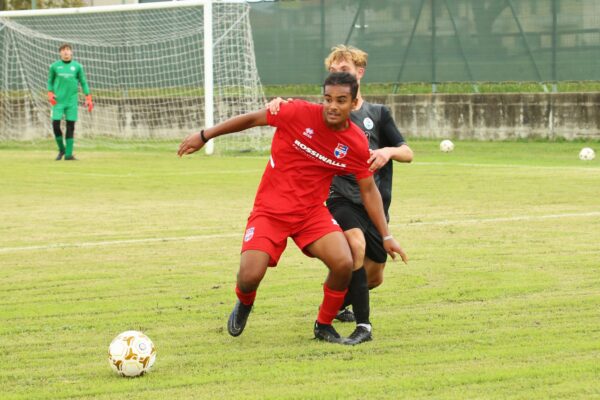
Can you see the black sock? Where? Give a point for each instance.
(359, 294)
(70, 129)
(347, 300)
(58, 136)
(69, 138)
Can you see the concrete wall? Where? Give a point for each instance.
(495, 116)
(465, 116)
(499, 116)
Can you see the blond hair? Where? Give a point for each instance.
(346, 53)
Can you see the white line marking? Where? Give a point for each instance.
(502, 219)
(550, 167)
(239, 234)
(150, 174)
(118, 242)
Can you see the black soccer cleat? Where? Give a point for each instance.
(70, 158)
(345, 315)
(327, 333)
(60, 155)
(238, 318)
(360, 335)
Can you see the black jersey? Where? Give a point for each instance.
(378, 125)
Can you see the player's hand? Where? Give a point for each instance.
(52, 98)
(88, 102)
(273, 105)
(378, 159)
(190, 144)
(392, 247)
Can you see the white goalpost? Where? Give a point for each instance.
(156, 70)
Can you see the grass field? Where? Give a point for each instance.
(501, 298)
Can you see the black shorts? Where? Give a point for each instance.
(349, 215)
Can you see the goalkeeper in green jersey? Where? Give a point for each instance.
(64, 78)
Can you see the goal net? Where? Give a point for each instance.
(156, 71)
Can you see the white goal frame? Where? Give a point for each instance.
(208, 38)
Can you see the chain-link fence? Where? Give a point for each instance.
(431, 40)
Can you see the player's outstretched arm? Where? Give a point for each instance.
(371, 198)
(197, 140)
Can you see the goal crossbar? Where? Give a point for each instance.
(114, 8)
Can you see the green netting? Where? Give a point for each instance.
(431, 40)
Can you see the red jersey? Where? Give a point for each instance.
(305, 156)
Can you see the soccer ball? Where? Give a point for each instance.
(587, 154)
(131, 353)
(446, 146)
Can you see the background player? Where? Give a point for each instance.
(64, 78)
(312, 143)
(344, 202)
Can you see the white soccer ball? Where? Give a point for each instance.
(587, 154)
(131, 353)
(446, 146)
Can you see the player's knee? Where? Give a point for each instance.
(357, 246)
(358, 255)
(356, 242)
(375, 280)
(342, 267)
(249, 279)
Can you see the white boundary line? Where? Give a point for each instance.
(157, 173)
(118, 242)
(239, 234)
(504, 219)
(519, 166)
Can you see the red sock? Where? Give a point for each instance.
(246, 298)
(332, 301)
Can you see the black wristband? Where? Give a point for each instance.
(204, 139)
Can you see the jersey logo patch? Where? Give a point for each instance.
(249, 234)
(72, 68)
(368, 123)
(308, 132)
(340, 151)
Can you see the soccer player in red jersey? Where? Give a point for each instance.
(344, 201)
(312, 144)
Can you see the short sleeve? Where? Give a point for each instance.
(389, 130)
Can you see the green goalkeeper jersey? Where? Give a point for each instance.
(64, 79)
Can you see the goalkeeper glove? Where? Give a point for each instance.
(52, 98)
(89, 103)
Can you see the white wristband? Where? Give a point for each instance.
(388, 237)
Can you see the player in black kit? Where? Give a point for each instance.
(344, 202)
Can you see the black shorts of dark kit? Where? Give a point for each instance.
(349, 216)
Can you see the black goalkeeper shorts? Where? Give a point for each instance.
(349, 215)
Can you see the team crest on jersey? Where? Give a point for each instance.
(72, 68)
(340, 151)
(308, 132)
(368, 123)
(249, 234)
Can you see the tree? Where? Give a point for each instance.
(26, 4)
